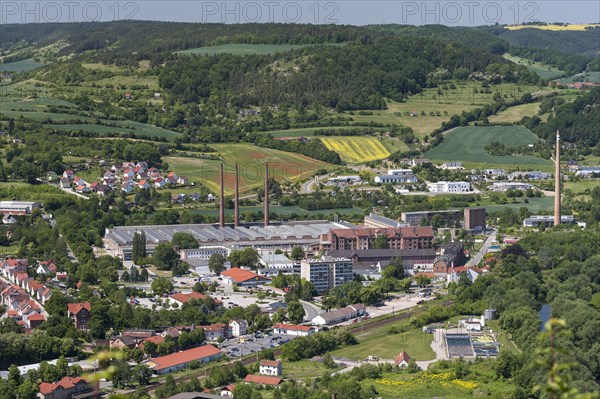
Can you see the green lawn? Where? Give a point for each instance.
(305, 368)
(467, 144)
(544, 71)
(242, 49)
(535, 205)
(415, 342)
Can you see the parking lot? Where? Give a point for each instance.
(234, 348)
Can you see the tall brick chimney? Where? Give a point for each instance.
(557, 182)
(236, 200)
(222, 199)
(266, 194)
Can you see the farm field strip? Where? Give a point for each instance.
(356, 149)
(467, 144)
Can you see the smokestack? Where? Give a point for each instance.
(222, 200)
(236, 200)
(266, 194)
(557, 182)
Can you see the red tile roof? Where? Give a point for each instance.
(292, 327)
(36, 316)
(402, 356)
(187, 356)
(157, 339)
(239, 275)
(262, 379)
(47, 388)
(75, 308)
(270, 363)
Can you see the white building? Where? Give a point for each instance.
(238, 328)
(17, 207)
(204, 252)
(452, 166)
(293, 329)
(270, 367)
(587, 170)
(344, 179)
(339, 315)
(271, 260)
(546, 220)
(503, 186)
(327, 272)
(395, 176)
(449, 187)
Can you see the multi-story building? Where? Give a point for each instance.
(475, 218)
(364, 238)
(80, 314)
(327, 272)
(375, 220)
(448, 217)
(69, 387)
(449, 187)
(546, 221)
(237, 328)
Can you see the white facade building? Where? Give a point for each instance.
(449, 187)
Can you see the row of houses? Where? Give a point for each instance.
(125, 176)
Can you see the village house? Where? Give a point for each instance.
(237, 328)
(270, 367)
(263, 380)
(401, 360)
(80, 314)
(69, 387)
(293, 329)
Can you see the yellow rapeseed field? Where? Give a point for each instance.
(356, 149)
(574, 27)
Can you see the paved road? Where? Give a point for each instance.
(474, 261)
(310, 311)
(68, 190)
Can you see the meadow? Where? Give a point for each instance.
(544, 71)
(430, 108)
(356, 149)
(285, 211)
(282, 166)
(467, 144)
(516, 113)
(415, 342)
(592, 77)
(241, 49)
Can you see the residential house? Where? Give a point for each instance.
(122, 342)
(64, 182)
(184, 181)
(172, 178)
(69, 387)
(159, 182)
(263, 380)
(237, 328)
(80, 314)
(401, 360)
(451, 166)
(216, 332)
(78, 181)
(34, 320)
(143, 184)
(69, 174)
(270, 367)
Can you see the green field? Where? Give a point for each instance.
(543, 71)
(242, 49)
(516, 113)
(464, 97)
(580, 187)
(20, 66)
(283, 166)
(535, 205)
(467, 144)
(592, 77)
(305, 368)
(415, 342)
(356, 149)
